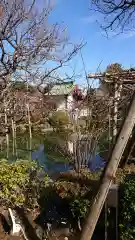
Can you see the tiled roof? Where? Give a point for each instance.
(62, 89)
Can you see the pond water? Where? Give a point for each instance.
(41, 148)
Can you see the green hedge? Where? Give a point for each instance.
(127, 209)
(59, 119)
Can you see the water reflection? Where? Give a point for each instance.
(49, 166)
(55, 167)
(44, 153)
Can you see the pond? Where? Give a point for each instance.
(42, 148)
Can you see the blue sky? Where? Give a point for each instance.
(81, 24)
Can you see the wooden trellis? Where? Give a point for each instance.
(125, 76)
(120, 80)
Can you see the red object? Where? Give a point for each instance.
(76, 88)
(77, 95)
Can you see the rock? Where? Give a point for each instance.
(39, 232)
(15, 226)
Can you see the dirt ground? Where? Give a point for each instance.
(6, 236)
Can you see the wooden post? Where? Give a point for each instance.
(117, 92)
(13, 136)
(109, 173)
(115, 113)
(6, 127)
(30, 131)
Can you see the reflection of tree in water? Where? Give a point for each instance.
(43, 152)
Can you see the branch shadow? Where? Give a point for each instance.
(5, 224)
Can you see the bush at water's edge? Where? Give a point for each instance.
(19, 183)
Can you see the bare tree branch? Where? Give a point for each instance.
(32, 42)
(117, 14)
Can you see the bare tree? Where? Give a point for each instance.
(117, 14)
(28, 42)
(31, 50)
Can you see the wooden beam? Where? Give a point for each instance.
(125, 77)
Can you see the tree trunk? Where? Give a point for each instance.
(109, 173)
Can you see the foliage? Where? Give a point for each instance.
(76, 187)
(111, 69)
(76, 196)
(19, 183)
(127, 208)
(59, 119)
(68, 189)
(86, 176)
(79, 208)
(79, 198)
(114, 68)
(103, 143)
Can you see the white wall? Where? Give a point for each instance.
(83, 112)
(70, 102)
(61, 105)
(61, 102)
(80, 113)
(70, 147)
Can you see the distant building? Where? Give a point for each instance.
(61, 94)
(68, 96)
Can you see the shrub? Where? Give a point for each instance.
(75, 195)
(79, 208)
(127, 209)
(59, 119)
(19, 183)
